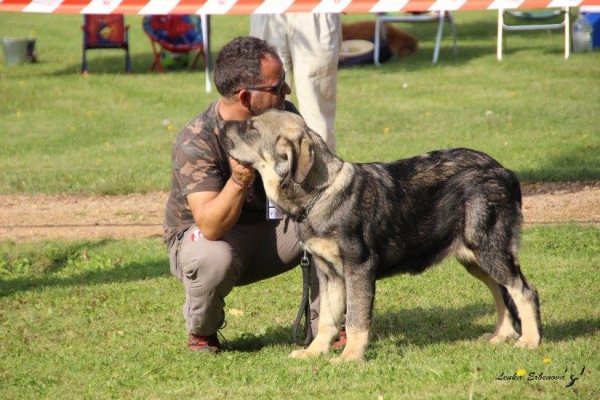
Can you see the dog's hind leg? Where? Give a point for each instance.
(519, 298)
(504, 324)
(332, 295)
(491, 240)
(525, 298)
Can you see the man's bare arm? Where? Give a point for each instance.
(216, 213)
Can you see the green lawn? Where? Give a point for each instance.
(102, 319)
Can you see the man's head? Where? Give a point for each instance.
(250, 69)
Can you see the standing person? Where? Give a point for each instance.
(309, 46)
(215, 224)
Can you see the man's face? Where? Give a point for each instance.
(271, 93)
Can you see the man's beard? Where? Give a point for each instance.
(254, 111)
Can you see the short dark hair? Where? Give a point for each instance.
(238, 64)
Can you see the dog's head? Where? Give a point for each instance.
(278, 144)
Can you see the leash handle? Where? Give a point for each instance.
(304, 309)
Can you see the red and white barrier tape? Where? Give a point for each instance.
(246, 7)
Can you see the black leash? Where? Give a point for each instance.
(304, 309)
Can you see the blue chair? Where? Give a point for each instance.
(175, 34)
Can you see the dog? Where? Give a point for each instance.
(400, 42)
(362, 222)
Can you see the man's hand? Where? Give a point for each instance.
(241, 173)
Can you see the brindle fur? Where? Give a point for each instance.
(362, 222)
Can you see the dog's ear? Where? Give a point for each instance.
(304, 160)
(298, 154)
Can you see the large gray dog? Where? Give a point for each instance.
(362, 222)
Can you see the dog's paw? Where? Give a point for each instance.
(523, 343)
(341, 360)
(348, 355)
(494, 338)
(303, 354)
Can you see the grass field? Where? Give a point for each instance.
(111, 132)
(101, 319)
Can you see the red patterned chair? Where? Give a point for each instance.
(105, 32)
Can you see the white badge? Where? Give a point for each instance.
(273, 212)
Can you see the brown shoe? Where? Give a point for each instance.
(204, 344)
(341, 342)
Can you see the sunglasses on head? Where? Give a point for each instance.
(275, 89)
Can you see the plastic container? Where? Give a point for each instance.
(582, 35)
(18, 50)
(592, 13)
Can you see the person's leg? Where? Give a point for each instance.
(274, 29)
(315, 41)
(278, 251)
(315, 304)
(208, 271)
(278, 254)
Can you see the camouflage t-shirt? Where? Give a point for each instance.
(199, 163)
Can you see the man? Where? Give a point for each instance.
(215, 224)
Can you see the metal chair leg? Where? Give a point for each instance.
(378, 33)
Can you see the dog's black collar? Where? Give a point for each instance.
(308, 209)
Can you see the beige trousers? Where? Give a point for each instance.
(309, 46)
(210, 269)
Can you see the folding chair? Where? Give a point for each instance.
(176, 34)
(550, 15)
(105, 32)
(435, 16)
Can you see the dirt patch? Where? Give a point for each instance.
(76, 217)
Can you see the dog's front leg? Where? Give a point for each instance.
(332, 298)
(360, 295)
